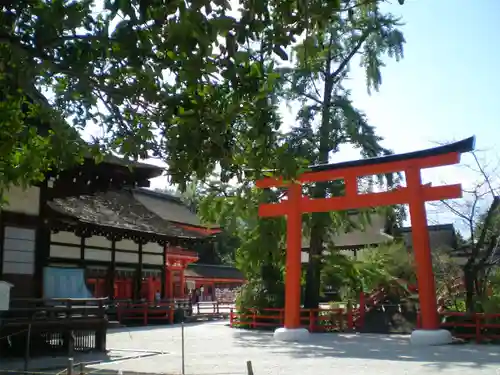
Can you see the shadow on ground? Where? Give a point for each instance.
(152, 327)
(374, 347)
(87, 360)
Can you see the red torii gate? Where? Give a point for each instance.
(415, 194)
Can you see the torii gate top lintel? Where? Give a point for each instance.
(431, 157)
(459, 147)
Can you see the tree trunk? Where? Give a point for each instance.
(319, 220)
(469, 287)
(313, 275)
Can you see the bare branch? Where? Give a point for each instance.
(486, 177)
(486, 227)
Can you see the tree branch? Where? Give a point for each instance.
(486, 177)
(336, 74)
(486, 227)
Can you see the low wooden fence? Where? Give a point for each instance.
(212, 308)
(477, 326)
(53, 326)
(145, 312)
(168, 312)
(315, 320)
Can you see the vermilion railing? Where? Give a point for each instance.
(145, 312)
(481, 326)
(315, 320)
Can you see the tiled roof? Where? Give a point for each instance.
(169, 207)
(441, 236)
(119, 209)
(212, 271)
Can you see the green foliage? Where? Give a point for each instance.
(260, 253)
(393, 258)
(254, 294)
(351, 276)
(187, 81)
(25, 154)
(327, 117)
(234, 208)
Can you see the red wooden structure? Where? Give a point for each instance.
(415, 194)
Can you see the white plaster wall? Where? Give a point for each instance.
(19, 251)
(23, 201)
(127, 257)
(98, 241)
(61, 251)
(65, 237)
(152, 247)
(152, 259)
(98, 254)
(127, 245)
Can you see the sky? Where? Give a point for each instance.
(446, 88)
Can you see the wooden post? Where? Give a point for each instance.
(69, 367)
(183, 349)
(362, 309)
(71, 343)
(28, 346)
(119, 312)
(171, 307)
(293, 256)
(311, 321)
(150, 289)
(350, 317)
(477, 318)
(112, 271)
(249, 368)
(182, 281)
(422, 251)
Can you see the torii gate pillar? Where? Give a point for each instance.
(414, 194)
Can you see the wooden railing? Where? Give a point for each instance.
(315, 320)
(43, 326)
(145, 312)
(212, 308)
(477, 326)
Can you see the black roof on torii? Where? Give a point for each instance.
(463, 146)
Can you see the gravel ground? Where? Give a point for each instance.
(214, 348)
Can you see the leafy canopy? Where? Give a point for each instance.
(174, 79)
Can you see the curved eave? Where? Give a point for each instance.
(200, 230)
(463, 146)
(215, 279)
(60, 221)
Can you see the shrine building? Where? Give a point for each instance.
(96, 231)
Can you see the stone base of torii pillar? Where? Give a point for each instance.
(431, 337)
(291, 334)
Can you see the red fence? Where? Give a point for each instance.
(315, 320)
(477, 326)
(145, 312)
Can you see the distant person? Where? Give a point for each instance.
(157, 296)
(196, 296)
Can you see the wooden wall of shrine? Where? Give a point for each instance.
(100, 250)
(113, 268)
(18, 240)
